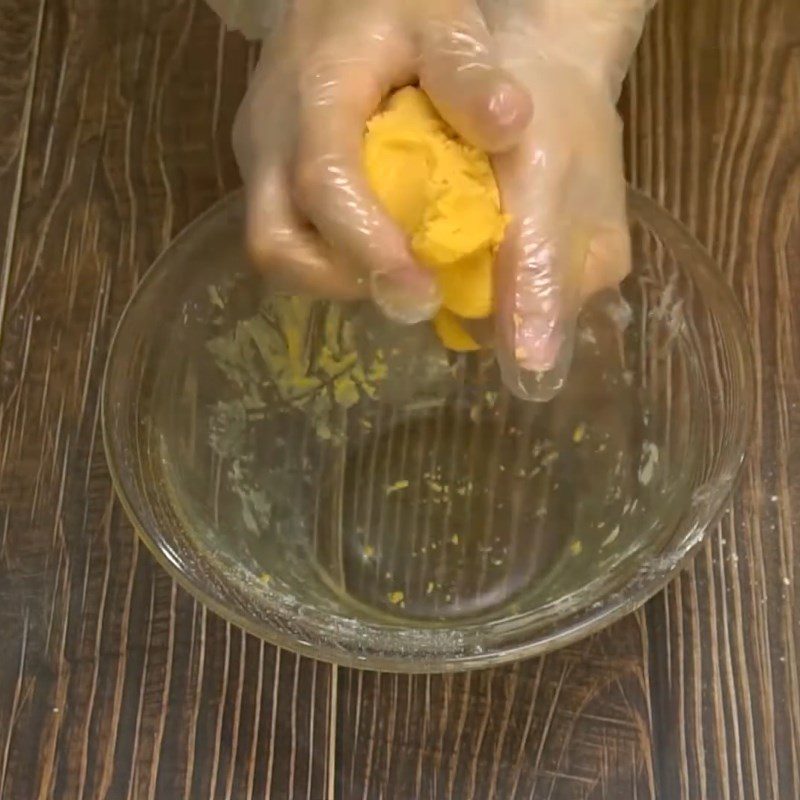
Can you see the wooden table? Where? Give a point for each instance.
(114, 133)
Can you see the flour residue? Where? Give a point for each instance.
(304, 355)
(650, 457)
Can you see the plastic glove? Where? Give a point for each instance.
(313, 223)
(564, 185)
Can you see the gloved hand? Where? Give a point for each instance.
(564, 185)
(313, 223)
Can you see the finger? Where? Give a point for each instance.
(539, 277)
(290, 253)
(538, 303)
(338, 97)
(460, 70)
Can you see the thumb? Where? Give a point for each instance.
(461, 73)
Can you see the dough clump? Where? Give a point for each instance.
(443, 193)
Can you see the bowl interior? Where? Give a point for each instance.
(345, 487)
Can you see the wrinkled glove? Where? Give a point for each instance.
(564, 185)
(313, 223)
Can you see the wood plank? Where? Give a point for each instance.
(572, 725)
(713, 132)
(113, 683)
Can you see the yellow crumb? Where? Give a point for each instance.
(396, 598)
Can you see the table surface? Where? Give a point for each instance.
(114, 133)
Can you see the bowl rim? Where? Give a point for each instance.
(651, 576)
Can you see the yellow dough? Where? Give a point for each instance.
(452, 332)
(443, 193)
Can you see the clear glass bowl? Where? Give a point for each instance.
(345, 488)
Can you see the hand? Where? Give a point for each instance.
(313, 223)
(564, 185)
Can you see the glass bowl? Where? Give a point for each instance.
(345, 488)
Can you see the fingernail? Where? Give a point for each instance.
(406, 296)
(531, 386)
(537, 342)
(537, 368)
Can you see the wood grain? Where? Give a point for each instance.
(114, 683)
(114, 126)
